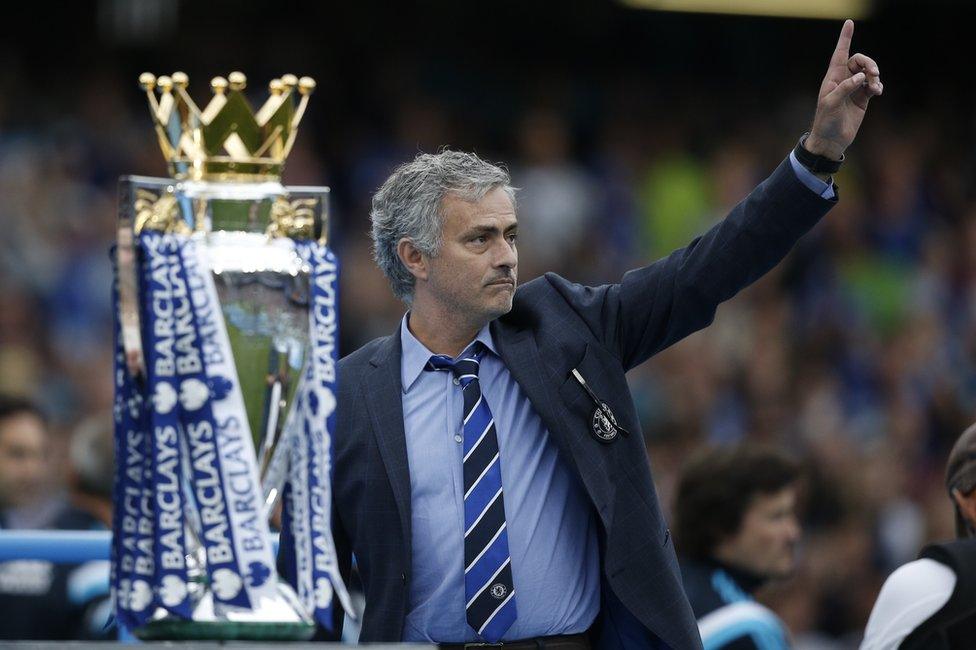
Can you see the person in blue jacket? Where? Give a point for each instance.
(735, 529)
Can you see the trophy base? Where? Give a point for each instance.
(181, 630)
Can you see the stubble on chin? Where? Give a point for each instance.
(504, 303)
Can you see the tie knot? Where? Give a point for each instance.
(465, 369)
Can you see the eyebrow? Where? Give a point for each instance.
(486, 230)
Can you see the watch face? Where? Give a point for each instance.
(604, 424)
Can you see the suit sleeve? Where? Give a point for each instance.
(658, 305)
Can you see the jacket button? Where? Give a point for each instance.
(403, 577)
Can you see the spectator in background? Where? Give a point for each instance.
(557, 196)
(39, 599)
(931, 603)
(25, 501)
(736, 529)
(92, 469)
(92, 459)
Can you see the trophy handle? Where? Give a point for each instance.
(127, 265)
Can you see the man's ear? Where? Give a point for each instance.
(966, 504)
(412, 258)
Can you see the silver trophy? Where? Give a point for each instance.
(215, 274)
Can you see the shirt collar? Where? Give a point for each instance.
(416, 354)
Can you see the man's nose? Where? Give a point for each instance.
(794, 530)
(505, 254)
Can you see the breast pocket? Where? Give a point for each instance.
(597, 399)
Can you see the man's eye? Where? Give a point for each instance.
(480, 239)
(512, 237)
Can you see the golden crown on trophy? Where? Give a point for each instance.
(227, 140)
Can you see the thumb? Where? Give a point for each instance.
(844, 88)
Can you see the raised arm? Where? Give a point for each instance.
(660, 304)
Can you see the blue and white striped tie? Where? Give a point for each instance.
(488, 588)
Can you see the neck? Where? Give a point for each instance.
(440, 330)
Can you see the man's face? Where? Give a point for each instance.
(23, 459)
(475, 272)
(966, 505)
(765, 543)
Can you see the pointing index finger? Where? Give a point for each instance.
(842, 51)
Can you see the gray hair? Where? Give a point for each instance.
(408, 205)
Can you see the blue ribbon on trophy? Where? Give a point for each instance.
(181, 397)
(124, 537)
(308, 493)
(171, 358)
(192, 553)
(225, 452)
(132, 571)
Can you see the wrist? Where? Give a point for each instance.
(821, 147)
(817, 163)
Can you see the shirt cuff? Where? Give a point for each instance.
(817, 186)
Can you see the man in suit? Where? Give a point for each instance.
(489, 472)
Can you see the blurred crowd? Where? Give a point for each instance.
(857, 354)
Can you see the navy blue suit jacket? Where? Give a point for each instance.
(555, 326)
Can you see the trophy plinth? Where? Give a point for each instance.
(225, 377)
(275, 622)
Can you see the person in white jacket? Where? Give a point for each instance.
(931, 602)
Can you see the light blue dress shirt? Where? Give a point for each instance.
(552, 534)
(552, 530)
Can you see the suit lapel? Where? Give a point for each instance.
(383, 396)
(518, 349)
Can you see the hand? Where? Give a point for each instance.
(851, 81)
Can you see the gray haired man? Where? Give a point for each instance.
(490, 475)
